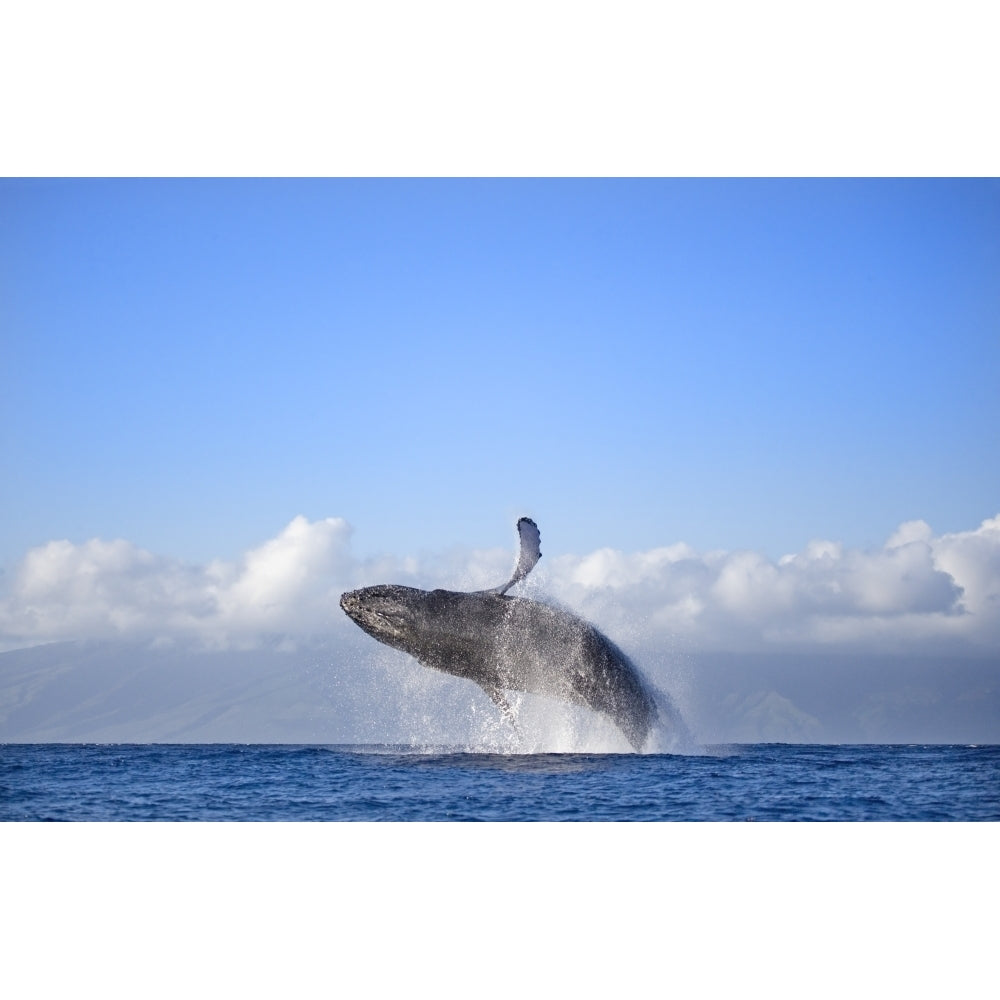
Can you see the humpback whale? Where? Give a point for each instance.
(505, 643)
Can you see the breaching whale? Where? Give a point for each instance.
(508, 643)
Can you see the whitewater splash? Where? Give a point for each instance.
(545, 725)
(428, 712)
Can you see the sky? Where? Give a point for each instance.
(748, 416)
(729, 364)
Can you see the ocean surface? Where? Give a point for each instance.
(233, 782)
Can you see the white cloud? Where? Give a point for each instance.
(972, 558)
(910, 531)
(290, 581)
(916, 588)
(101, 589)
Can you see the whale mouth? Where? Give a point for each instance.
(379, 616)
(368, 608)
(350, 602)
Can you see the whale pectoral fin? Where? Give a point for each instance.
(529, 554)
(498, 699)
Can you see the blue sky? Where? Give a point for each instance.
(188, 364)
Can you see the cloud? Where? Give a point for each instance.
(287, 583)
(917, 588)
(102, 589)
(64, 590)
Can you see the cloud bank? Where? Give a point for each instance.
(918, 590)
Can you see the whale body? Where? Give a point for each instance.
(505, 643)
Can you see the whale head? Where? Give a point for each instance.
(388, 612)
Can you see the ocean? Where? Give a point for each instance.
(379, 783)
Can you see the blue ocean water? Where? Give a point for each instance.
(231, 782)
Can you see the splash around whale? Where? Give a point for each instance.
(505, 643)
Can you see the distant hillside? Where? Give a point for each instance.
(314, 693)
(128, 692)
(839, 698)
